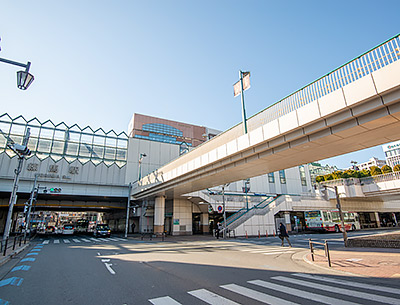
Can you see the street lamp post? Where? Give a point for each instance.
(24, 78)
(140, 166)
(128, 208)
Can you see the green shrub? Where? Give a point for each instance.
(386, 169)
(375, 170)
(319, 179)
(396, 168)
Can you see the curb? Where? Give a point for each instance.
(305, 259)
(10, 256)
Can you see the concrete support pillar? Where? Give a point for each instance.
(159, 215)
(287, 221)
(204, 223)
(378, 220)
(182, 217)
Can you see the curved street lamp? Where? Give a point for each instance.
(24, 78)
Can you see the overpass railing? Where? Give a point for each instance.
(368, 62)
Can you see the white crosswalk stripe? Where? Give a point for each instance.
(164, 301)
(300, 293)
(67, 241)
(352, 293)
(113, 239)
(312, 282)
(76, 240)
(211, 298)
(86, 240)
(56, 241)
(256, 295)
(45, 242)
(348, 283)
(103, 239)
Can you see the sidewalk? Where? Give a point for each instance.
(371, 262)
(10, 253)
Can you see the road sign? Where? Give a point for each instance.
(220, 209)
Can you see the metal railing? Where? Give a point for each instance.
(326, 249)
(11, 242)
(372, 60)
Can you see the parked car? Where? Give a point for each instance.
(102, 230)
(68, 230)
(50, 230)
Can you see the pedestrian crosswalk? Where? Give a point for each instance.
(81, 240)
(296, 288)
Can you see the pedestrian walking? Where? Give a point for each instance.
(283, 234)
(219, 228)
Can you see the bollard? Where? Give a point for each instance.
(5, 247)
(311, 249)
(274, 233)
(327, 253)
(259, 234)
(246, 235)
(15, 241)
(266, 234)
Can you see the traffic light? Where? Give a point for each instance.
(52, 190)
(55, 190)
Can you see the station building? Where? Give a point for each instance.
(93, 170)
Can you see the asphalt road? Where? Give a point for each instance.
(82, 270)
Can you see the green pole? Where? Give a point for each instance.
(243, 108)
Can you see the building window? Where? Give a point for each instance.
(282, 176)
(162, 128)
(271, 178)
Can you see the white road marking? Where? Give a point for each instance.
(164, 301)
(352, 293)
(348, 283)
(211, 298)
(282, 252)
(108, 266)
(253, 294)
(86, 240)
(105, 260)
(67, 241)
(300, 293)
(56, 241)
(76, 240)
(45, 242)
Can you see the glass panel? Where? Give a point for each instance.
(73, 136)
(98, 140)
(46, 133)
(44, 146)
(85, 150)
(312, 214)
(111, 142)
(271, 178)
(58, 147)
(109, 153)
(56, 157)
(17, 129)
(282, 176)
(122, 143)
(96, 161)
(72, 149)
(121, 154)
(88, 139)
(59, 135)
(5, 127)
(98, 151)
(83, 160)
(3, 142)
(32, 143)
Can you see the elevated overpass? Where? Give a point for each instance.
(354, 107)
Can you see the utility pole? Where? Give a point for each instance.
(128, 208)
(223, 204)
(21, 151)
(28, 215)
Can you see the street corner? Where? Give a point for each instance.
(370, 264)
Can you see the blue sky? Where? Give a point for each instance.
(97, 62)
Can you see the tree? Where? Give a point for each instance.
(319, 179)
(396, 168)
(386, 169)
(375, 170)
(365, 173)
